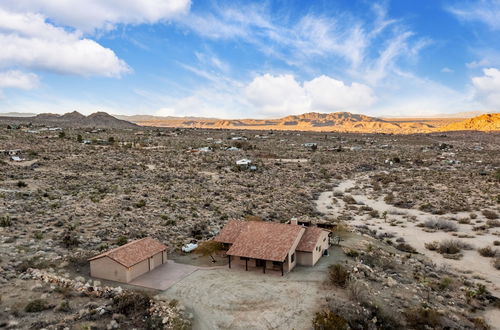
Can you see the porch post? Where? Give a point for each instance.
(246, 264)
(264, 268)
(282, 268)
(229, 258)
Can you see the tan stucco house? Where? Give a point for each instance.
(125, 263)
(274, 246)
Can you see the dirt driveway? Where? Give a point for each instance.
(236, 299)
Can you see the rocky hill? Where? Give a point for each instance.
(487, 122)
(71, 119)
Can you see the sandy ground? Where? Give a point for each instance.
(471, 264)
(236, 299)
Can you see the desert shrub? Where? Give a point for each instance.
(496, 243)
(328, 320)
(452, 246)
(493, 223)
(140, 204)
(349, 199)
(63, 307)
(389, 198)
(21, 184)
(440, 224)
(488, 214)
(374, 214)
(351, 253)
(69, 239)
(487, 251)
(35, 306)
(122, 240)
(132, 303)
(338, 275)
(5, 221)
(422, 318)
(464, 221)
(496, 262)
(405, 247)
(357, 290)
(473, 216)
(445, 283)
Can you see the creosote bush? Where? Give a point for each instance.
(487, 251)
(35, 306)
(405, 247)
(492, 215)
(329, 320)
(448, 246)
(338, 275)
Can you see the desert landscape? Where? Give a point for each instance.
(249, 165)
(417, 216)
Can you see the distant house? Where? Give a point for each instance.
(274, 246)
(16, 159)
(311, 145)
(125, 263)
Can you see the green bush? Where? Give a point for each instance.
(122, 240)
(5, 221)
(35, 306)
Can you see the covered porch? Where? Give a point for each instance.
(253, 264)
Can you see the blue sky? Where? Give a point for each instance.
(239, 59)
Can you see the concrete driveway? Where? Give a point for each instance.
(164, 276)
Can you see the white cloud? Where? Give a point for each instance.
(18, 79)
(328, 94)
(28, 41)
(282, 95)
(447, 70)
(485, 11)
(487, 87)
(90, 15)
(353, 43)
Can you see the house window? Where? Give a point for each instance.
(293, 257)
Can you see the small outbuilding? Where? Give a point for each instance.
(125, 263)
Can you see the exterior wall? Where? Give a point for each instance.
(289, 264)
(138, 269)
(108, 269)
(323, 244)
(155, 261)
(304, 258)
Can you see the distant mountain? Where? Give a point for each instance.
(71, 119)
(312, 121)
(17, 114)
(487, 122)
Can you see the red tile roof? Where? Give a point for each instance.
(263, 240)
(134, 252)
(231, 230)
(310, 239)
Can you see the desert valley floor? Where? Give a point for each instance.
(418, 216)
